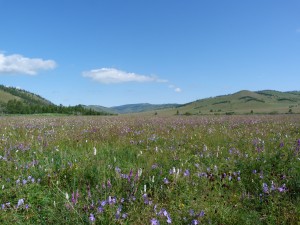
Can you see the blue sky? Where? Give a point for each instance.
(114, 52)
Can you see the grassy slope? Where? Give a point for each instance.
(5, 96)
(143, 107)
(243, 102)
(11, 93)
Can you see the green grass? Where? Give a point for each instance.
(131, 170)
(242, 102)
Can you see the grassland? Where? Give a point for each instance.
(242, 102)
(150, 170)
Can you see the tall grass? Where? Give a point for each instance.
(150, 170)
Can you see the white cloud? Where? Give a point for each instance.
(177, 89)
(111, 75)
(18, 64)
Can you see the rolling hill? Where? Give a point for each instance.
(17, 101)
(12, 93)
(243, 102)
(133, 108)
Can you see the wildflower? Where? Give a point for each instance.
(67, 196)
(124, 215)
(108, 184)
(166, 181)
(20, 202)
(100, 209)
(192, 213)
(154, 221)
(282, 188)
(186, 173)
(265, 188)
(146, 200)
(273, 188)
(118, 170)
(169, 220)
(140, 172)
(201, 214)
(194, 222)
(92, 217)
(154, 166)
(95, 151)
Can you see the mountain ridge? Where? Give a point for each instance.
(241, 102)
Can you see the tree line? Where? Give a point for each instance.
(19, 107)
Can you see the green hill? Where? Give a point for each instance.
(243, 102)
(142, 107)
(18, 101)
(12, 93)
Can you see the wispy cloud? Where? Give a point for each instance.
(176, 89)
(112, 76)
(18, 64)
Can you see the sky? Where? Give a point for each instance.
(116, 52)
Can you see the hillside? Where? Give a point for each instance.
(243, 102)
(133, 108)
(142, 107)
(12, 93)
(18, 101)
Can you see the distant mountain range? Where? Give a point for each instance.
(133, 108)
(242, 102)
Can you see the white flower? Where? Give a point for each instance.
(67, 196)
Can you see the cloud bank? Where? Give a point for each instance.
(18, 64)
(113, 76)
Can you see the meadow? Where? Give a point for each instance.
(150, 169)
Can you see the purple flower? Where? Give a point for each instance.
(103, 203)
(20, 202)
(154, 166)
(169, 220)
(186, 173)
(125, 215)
(194, 222)
(100, 209)
(265, 188)
(146, 200)
(202, 213)
(282, 188)
(92, 217)
(108, 184)
(192, 213)
(166, 181)
(118, 170)
(154, 221)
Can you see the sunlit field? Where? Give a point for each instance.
(150, 170)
